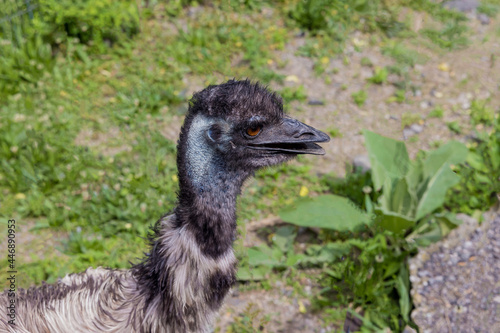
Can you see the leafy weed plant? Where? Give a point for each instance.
(364, 261)
(359, 97)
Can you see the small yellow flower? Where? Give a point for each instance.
(238, 44)
(358, 42)
(292, 78)
(444, 67)
(302, 308)
(270, 61)
(325, 60)
(20, 196)
(175, 178)
(304, 191)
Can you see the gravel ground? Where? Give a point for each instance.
(456, 282)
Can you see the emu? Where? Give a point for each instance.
(230, 131)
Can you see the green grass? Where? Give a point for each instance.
(359, 97)
(455, 127)
(379, 75)
(408, 119)
(489, 7)
(481, 113)
(437, 112)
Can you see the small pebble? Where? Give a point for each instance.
(417, 128)
(425, 104)
(315, 102)
(483, 18)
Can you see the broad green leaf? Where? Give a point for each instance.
(327, 253)
(388, 158)
(415, 180)
(447, 222)
(283, 238)
(261, 255)
(427, 233)
(393, 222)
(252, 274)
(293, 259)
(481, 178)
(452, 152)
(437, 187)
(476, 161)
(397, 198)
(326, 211)
(391, 269)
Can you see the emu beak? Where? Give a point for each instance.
(290, 136)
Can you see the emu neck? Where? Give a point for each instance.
(208, 191)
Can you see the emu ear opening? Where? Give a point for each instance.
(214, 133)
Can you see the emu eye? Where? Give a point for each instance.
(254, 130)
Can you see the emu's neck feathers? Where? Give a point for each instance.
(180, 285)
(191, 266)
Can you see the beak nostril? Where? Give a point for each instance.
(303, 135)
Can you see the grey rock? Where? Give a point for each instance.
(414, 129)
(425, 104)
(417, 128)
(483, 18)
(362, 163)
(462, 5)
(407, 132)
(315, 102)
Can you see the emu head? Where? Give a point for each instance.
(240, 126)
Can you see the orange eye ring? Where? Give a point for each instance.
(253, 131)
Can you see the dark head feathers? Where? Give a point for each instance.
(237, 100)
